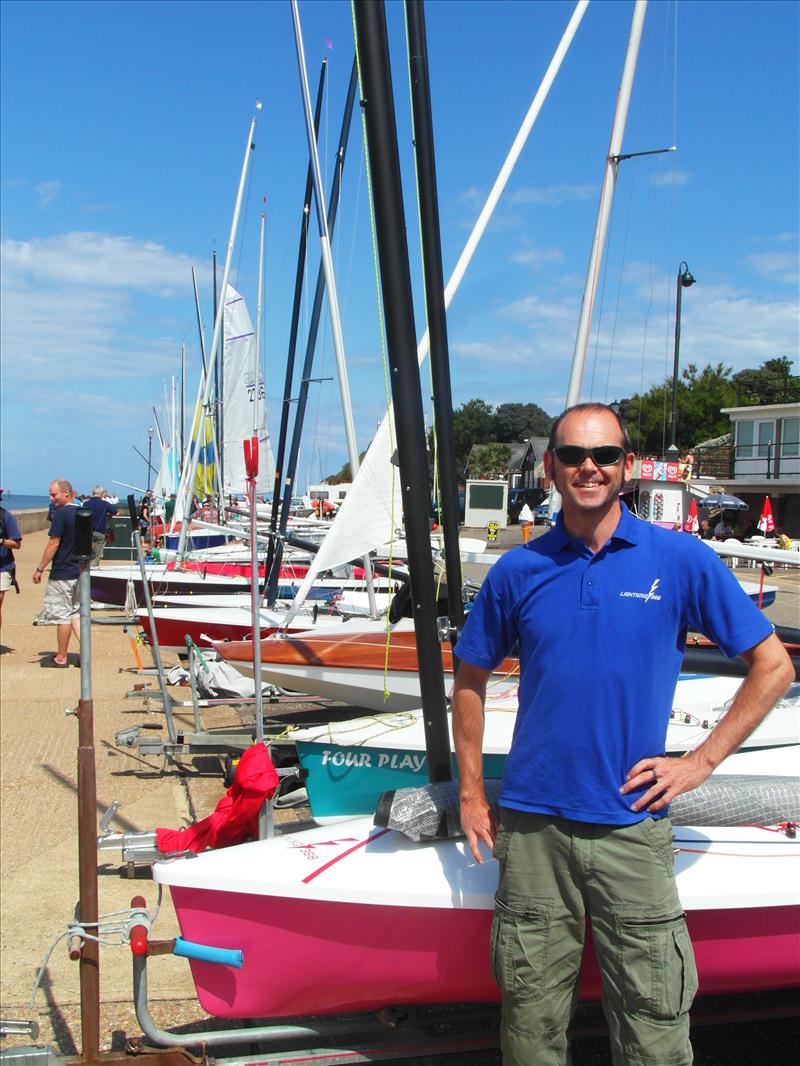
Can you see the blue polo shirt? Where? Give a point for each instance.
(601, 640)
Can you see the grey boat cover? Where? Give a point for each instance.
(431, 812)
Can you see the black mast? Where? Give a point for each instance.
(313, 329)
(275, 552)
(378, 103)
(434, 298)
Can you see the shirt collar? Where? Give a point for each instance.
(628, 530)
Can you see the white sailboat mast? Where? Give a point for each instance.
(257, 376)
(606, 200)
(330, 280)
(190, 468)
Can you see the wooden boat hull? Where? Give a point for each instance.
(361, 668)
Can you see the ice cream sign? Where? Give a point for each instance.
(659, 470)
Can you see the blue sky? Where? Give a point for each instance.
(123, 130)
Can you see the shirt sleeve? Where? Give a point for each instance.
(12, 527)
(57, 523)
(719, 607)
(489, 633)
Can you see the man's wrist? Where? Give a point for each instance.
(39, 569)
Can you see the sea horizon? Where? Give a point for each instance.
(23, 501)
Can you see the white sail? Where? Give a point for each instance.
(243, 399)
(370, 515)
(167, 479)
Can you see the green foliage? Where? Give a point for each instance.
(343, 477)
(476, 422)
(700, 396)
(473, 423)
(773, 382)
(518, 421)
(489, 460)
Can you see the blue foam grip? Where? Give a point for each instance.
(222, 956)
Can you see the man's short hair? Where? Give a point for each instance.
(580, 407)
(98, 490)
(63, 485)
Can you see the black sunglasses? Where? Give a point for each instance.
(603, 455)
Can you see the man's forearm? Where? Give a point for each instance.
(468, 718)
(50, 550)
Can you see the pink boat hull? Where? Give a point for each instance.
(306, 956)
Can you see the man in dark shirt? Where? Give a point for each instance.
(62, 598)
(101, 512)
(10, 541)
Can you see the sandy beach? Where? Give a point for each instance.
(38, 816)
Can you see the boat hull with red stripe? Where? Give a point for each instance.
(353, 917)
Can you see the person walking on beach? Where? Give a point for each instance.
(61, 598)
(600, 606)
(101, 510)
(10, 541)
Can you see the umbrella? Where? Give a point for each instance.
(766, 522)
(691, 525)
(721, 501)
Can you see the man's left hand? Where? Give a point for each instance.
(667, 778)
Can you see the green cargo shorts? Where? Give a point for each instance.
(555, 872)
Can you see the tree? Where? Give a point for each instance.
(343, 477)
(519, 421)
(489, 460)
(700, 396)
(473, 423)
(773, 382)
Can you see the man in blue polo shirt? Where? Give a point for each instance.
(600, 606)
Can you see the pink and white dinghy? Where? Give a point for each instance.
(352, 917)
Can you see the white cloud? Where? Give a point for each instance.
(531, 310)
(677, 178)
(524, 350)
(538, 257)
(89, 305)
(777, 266)
(100, 259)
(553, 195)
(47, 192)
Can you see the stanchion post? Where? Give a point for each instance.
(89, 965)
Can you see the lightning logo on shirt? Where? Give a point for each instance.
(652, 594)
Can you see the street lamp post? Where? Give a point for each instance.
(685, 279)
(149, 454)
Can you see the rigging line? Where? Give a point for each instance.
(639, 118)
(670, 231)
(619, 289)
(601, 301)
(640, 121)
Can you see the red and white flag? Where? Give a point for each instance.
(691, 525)
(766, 522)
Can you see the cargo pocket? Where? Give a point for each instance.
(659, 836)
(659, 973)
(519, 945)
